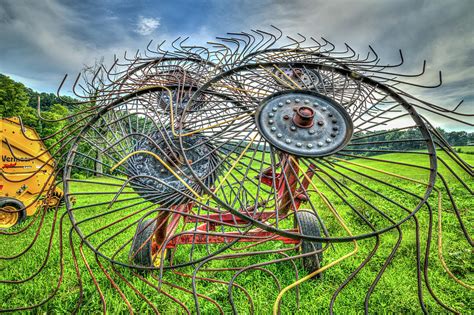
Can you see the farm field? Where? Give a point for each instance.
(396, 291)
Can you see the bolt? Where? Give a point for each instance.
(280, 104)
(293, 128)
(286, 117)
(271, 121)
(324, 109)
(320, 144)
(311, 131)
(328, 140)
(274, 109)
(309, 145)
(335, 128)
(304, 117)
(330, 115)
(288, 141)
(298, 144)
(333, 135)
(297, 100)
(271, 114)
(320, 123)
(334, 121)
(315, 104)
(279, 135)
(273, 129)
(306, 101)
(288, 101)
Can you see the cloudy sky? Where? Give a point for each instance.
(41, 40)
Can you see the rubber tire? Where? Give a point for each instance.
(309, 225)
(17, 204)
(143, 256)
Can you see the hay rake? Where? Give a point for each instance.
(246, 155)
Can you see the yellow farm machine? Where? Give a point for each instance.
(27, 176)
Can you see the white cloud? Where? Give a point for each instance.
(146, 26)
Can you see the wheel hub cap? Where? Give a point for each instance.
(304, 123)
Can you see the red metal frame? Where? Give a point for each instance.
(168, 222)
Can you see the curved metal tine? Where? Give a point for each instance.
(280, 32)
(382, 67)
(440, 113)
(440, 82)
(224, 52)
(187, 51)
(248, 41)
(64, 100)
(295, 42)
(326, 42)
(271, 39)
(340, 52)
(162, 51)
(177, 52)
(200, 51)
(260, 43)
(147, 49)
(318, 45)
(234, 53)
(415, 75)
(249, 44)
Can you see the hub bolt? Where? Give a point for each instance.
(320, 123)
(320, 144)
(328, 140)
(293, 128)
(297, 100)
(309, 145)
(304, 117)
(288, 101)
(271, 121)
(279, 135)
(271, 114)
(288, 140)
(311, 131)
(298, 144)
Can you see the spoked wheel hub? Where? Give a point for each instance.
(162, 180)
(304, 123)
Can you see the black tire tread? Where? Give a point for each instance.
(309, 225)
(143, 256)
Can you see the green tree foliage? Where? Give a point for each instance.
(16, 100)
(13, 98)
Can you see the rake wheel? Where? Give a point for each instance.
(265, 135)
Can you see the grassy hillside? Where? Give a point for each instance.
(396, 291)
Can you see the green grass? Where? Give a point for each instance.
(396, 291)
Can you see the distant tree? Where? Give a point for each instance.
(13, 98)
